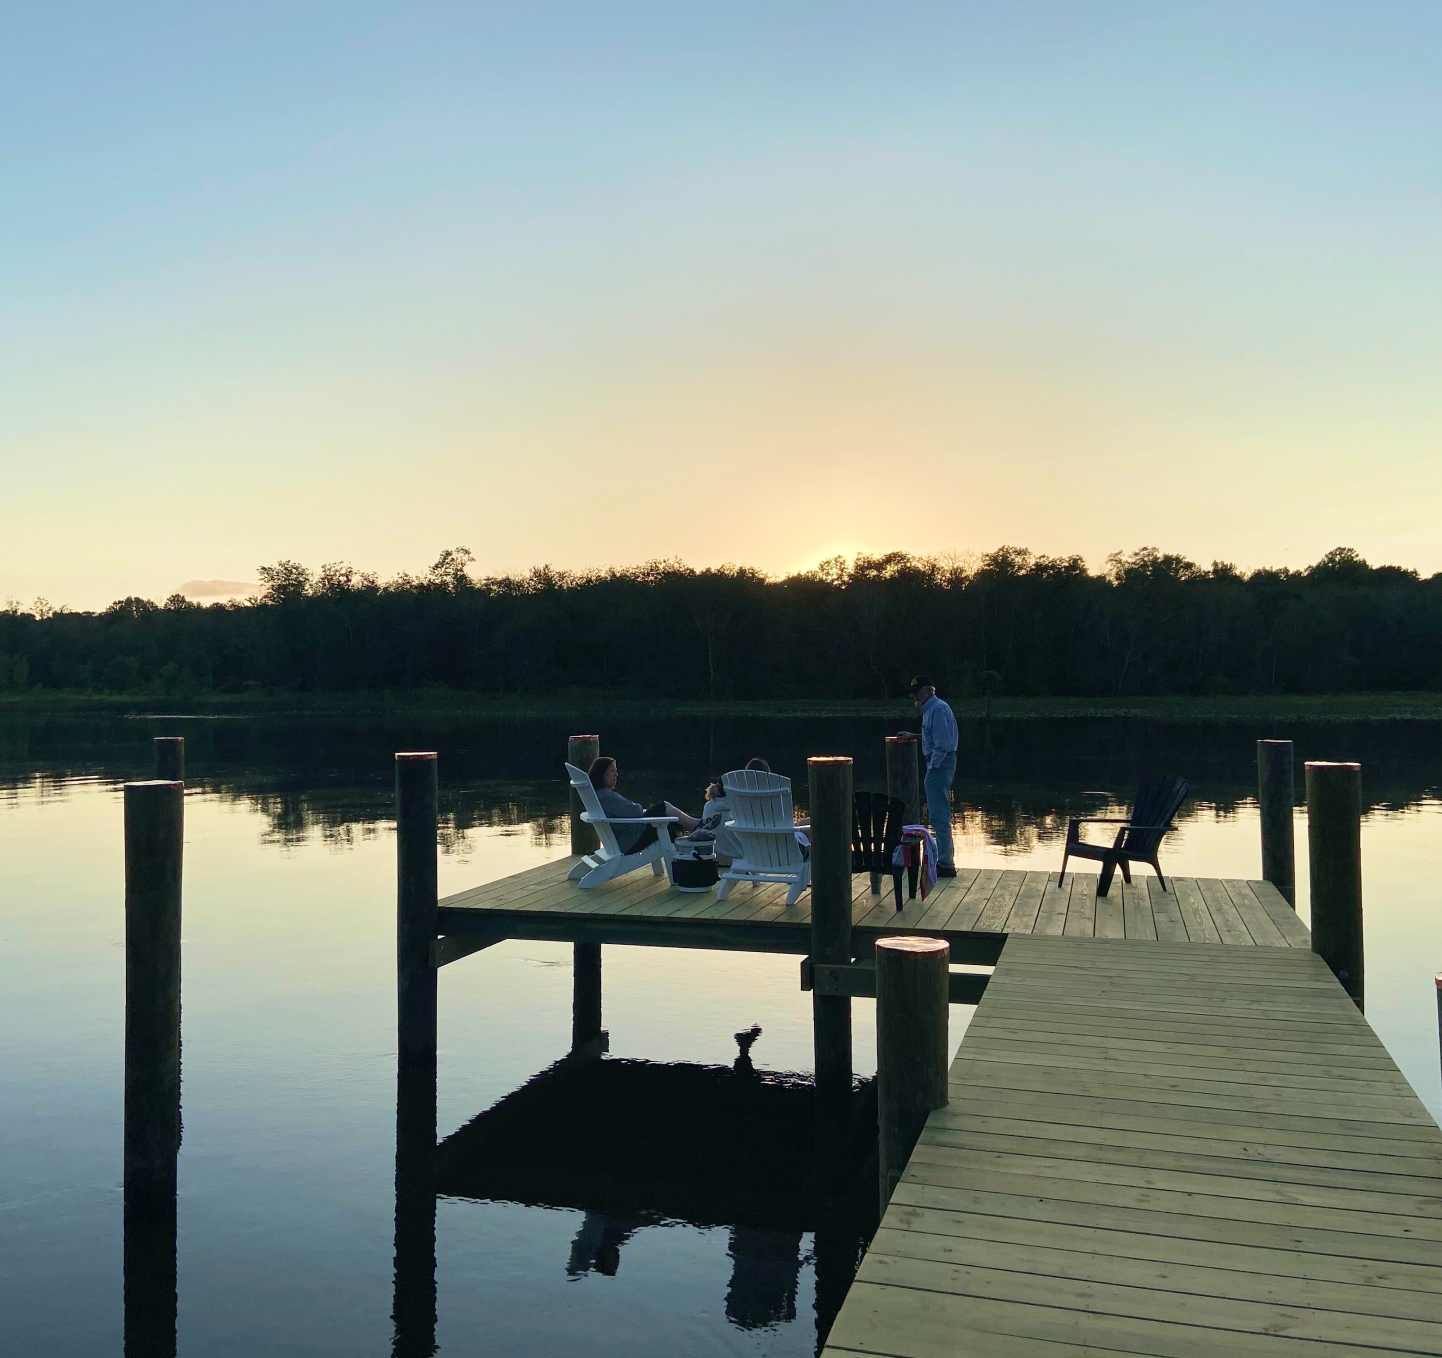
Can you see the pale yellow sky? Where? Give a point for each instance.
(756, 288)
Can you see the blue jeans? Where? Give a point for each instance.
(938, 807)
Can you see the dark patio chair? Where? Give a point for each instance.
(876, 822)
(1158, 800)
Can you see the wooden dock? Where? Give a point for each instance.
(1155, 1147)
(976, 911)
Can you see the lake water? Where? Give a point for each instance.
(286, 1202)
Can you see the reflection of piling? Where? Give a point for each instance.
(912, 982)
(580, 751)
(1334, 850)
(414, 1310)
(170, 758)
(830, 789)
(1275, 795)
(416, 907)
(154, 833)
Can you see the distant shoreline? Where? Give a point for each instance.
(451, 703)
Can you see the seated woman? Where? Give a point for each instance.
(630, 838)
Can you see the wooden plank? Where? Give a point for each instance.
(1224, 914)
(1281, 914)
(1081, 910)
(1196, 917)
(1166, 912)
(943, 900)
(1137, 911)
(1024, 910)
(1259, 924)
(1110, 919)
(999, 903)
(969, 907)
(1051, 918)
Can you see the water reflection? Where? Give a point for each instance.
(636, 1146)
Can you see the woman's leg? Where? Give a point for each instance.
(686, 822)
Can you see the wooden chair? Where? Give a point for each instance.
(763, 819)
(1158, 800)
(608, 861)
(875, 834)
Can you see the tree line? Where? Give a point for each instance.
(1149, 622)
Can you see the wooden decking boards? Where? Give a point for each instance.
(1158, 1147)
(542, 903)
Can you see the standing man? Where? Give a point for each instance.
(939, 739)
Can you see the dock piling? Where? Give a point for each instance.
(416, 927)
(587, 1036)
(903, 776)
(170, 758)
(830, 785)
(1334, 853)
(580, 751)
(1276, 788)
(912, 991)
(154, 847)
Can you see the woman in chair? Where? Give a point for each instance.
(630, 838)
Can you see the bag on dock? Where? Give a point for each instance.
(692, 872)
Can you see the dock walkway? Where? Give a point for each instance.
(975, 911)
(1147, 1151)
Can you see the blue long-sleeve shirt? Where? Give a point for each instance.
(939, 736)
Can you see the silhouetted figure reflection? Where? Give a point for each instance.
(414, 1310)
(744, 1042)
(597, 1246)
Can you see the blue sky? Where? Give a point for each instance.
(588, 284)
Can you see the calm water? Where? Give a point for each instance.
(286, 1208)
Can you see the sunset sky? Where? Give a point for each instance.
(589, 284)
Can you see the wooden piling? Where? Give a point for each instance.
(1276, 787)
(154, 836)
(903, 775)
(830, 794)
(416, 802)
(154, 833)
(170, 758)
(587, 1038)
(912, 984)
(1437, 981)
(580, 751)
(1334, 852)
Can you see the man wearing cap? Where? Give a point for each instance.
(939, 739)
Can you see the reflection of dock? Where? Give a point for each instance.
(635, 1145)
(1147, 1152)
(975, 911)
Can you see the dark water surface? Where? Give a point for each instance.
(646, 1206)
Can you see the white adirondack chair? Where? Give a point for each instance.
(763, 820)
(608, 861)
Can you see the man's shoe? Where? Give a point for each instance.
(945, 870)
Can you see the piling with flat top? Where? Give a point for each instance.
(912, 981)
(903, 776)
(416, 902)
(1276, 787)
(829, 782)
(154, 836)
(1334, 852)
(580, 751)
(170, 758)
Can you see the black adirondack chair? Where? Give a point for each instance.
(1158, 800)
(876, 822)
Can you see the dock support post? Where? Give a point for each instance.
(154, 836)
(1276, 787)
(903, 776)
(585, 957)
(1334, 853)
(414, 1310)
(830, 794)
(170, 758)
(580, 751)
(587, 1036)
(1437, 981)
(416, 902)
(912, 985)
